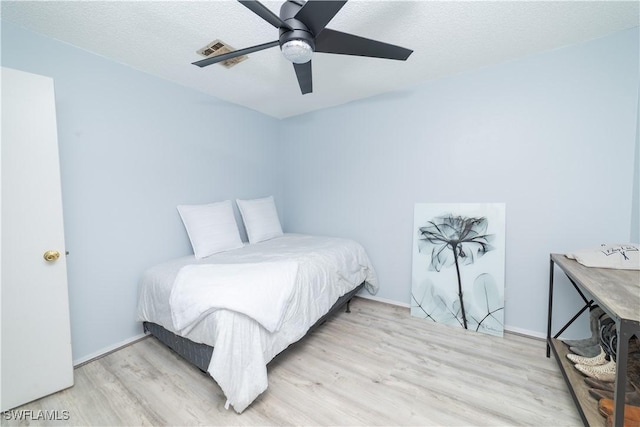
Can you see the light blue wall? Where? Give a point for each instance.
(635, 213)
(551, 135)
(132, 147)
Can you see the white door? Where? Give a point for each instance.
(36, 339)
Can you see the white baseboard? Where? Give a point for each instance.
(110, 349)
(525, 332)
(507, 328)
(384, 300)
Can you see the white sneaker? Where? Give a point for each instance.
(606, 372)
(600, 359)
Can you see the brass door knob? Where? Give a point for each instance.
(51, 256)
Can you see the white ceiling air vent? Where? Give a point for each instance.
(218, 47)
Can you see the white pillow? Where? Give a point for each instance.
(260, 219)
(211, 228)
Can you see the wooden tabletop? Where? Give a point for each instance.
(617, 291)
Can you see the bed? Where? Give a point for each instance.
(233, 312)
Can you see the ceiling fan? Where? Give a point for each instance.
(303, 31)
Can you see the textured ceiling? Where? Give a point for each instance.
(161, 38)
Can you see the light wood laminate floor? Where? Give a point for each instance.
(374, 366)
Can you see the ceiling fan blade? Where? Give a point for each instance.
(332, 41)
(263, 12)
(303, 72)
(316, 14)
(230, 55)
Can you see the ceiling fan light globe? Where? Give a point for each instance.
(297, 51)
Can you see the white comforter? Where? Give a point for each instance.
(259, 290)
(327, 268)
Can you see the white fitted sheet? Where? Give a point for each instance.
(328, 268)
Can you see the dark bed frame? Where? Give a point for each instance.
(200, 354)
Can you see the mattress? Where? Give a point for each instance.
(328, 268)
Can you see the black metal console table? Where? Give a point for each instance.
(617, 292)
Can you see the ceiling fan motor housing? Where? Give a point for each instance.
(299, 31)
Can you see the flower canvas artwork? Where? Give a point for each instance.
(458, 265)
